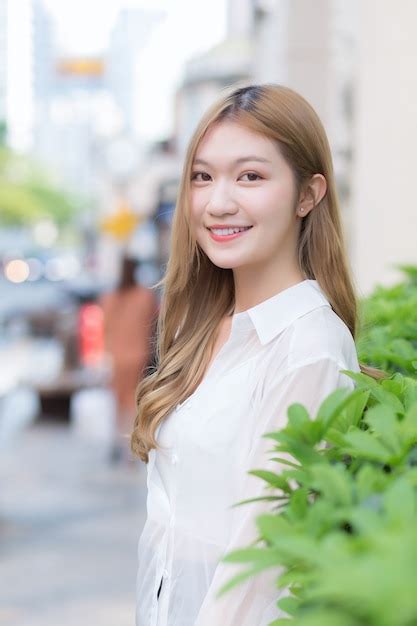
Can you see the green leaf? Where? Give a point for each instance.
(298, 504)
(386, 397)
(400, 501)
(298, 416)
(365, 445)
(272, 526)
(284, 462)
(394, 385)
(334, 437)
(351, 414)
(382, 419)
(301, 426)
(333, 482)
(289, 604)
(258, 499)
(296, 548)
(367, 520)
(369, 480)
(303, 452)
(363, 381)
(408, 426)
(300, 476)
(331, 407)
(274, 480)
(410, 392)
(412, 473)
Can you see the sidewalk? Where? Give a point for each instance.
(69, 527)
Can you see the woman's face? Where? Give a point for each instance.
(240, 179)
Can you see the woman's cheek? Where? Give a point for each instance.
(197, 204)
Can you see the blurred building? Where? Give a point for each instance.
(71, 100)
(47, 146)
(16, 83)
(67, 136)
(45, 52)
(384, 211)
(204, 77)
(130, 34)
(63, 90)
(84, 101)
(207, 74)
(3, 60)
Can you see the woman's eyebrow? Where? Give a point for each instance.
(239, 160)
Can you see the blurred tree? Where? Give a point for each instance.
(27, 194)
(3, 132)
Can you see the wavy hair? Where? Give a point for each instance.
(189, 316)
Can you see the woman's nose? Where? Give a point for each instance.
(221, 199)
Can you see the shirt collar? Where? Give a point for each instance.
(272, 316)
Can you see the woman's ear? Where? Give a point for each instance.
(313, 192)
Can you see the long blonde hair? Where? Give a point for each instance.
(198, 294)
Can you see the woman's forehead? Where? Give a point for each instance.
(233, 142)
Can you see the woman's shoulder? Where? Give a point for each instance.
(321, 334)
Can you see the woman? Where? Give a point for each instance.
(258, 312)
(129, 313)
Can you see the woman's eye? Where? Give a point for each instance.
(252, 174)
(195, 174)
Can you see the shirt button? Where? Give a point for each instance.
(174, 459)
(172, 522)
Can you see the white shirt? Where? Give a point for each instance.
(289, 348)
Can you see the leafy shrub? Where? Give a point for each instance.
(344, 530)
(388, 320)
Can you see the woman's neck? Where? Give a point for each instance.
(250, 291)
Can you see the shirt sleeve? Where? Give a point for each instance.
(253, 602)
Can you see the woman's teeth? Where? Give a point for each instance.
(228, 231)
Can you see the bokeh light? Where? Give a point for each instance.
(17, 270)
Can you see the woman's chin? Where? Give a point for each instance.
(226, 264)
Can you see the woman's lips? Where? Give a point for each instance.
(224, 238)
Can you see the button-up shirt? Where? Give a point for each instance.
(289, 348)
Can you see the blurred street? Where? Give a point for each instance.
(69, 526)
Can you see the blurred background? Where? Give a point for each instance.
(97, 103)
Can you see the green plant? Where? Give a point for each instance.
(388, 336)
(344, 531)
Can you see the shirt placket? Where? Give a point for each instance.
(165, 580)
(161, 550)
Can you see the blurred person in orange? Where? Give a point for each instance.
(129, 314)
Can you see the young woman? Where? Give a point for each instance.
(258, 312)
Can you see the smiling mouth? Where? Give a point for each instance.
(227, 234)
